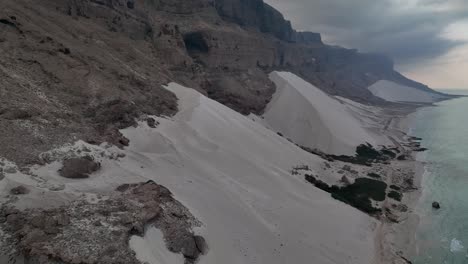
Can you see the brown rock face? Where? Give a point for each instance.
(64, 235)
(82, 69)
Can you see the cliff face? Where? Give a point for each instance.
(81, 69)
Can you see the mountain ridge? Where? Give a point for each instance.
(82, 69)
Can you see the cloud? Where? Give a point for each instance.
(409, 31)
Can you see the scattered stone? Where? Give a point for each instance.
(20, 190)
(347, 168)
(10, 170)
(345, 180)
(79, 168)
(124, 141)
(151, 122)
(402, 157)
(436, 205)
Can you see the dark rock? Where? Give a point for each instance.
(151, 122)
(123, 188)
(402, 157)
(202, 246)
(38, 221)
(131, 4)
(65, 51)
(189, 248)
(20, 190)
(79, 168)
(124, 141)
(436, 205)
(345, 180)
(7, 22)
(15, 221)
(18, 113)
(36, 235)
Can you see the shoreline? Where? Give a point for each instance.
(395, 242)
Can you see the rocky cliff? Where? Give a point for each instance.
(82, 69)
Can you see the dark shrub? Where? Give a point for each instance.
(395, 195)
(402, 157)
(367, 151)
(394, 187)
(374, 175)
(359, 194)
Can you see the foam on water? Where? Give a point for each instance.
(456, 246)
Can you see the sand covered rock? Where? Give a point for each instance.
(90, 233)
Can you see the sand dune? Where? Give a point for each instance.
(394, 92)
(311, 118)
(235, 177)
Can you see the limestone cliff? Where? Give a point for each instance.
(82, 69)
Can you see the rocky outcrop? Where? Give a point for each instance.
(79, 168)
(256, 14)
(83, 69)
(98, 232)
(309, 37)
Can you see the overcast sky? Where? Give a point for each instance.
(428, 39)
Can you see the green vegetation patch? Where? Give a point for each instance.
(395, 195)
(359, 194)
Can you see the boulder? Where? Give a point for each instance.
(201, 244)
(20, 190)
(79, 168)
(345, 180)
(436, 205)
(151, 122)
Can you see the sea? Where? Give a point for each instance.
(442, 235)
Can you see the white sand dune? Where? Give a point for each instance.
(394, 92)
(311, 118)
(235, 176)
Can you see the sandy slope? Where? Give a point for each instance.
(311, 118)
(394, 92)
(234, 175)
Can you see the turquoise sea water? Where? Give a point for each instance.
(442, 236)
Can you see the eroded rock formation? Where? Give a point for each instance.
(98, 231)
